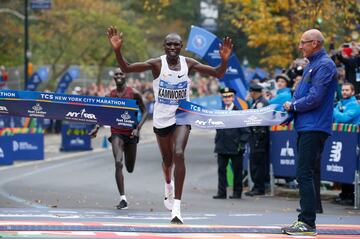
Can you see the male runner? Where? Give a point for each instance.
(124, 140)
(171, 84)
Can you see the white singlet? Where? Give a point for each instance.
(170, 87)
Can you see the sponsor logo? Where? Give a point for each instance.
(209, 123)
(82, 115)
(335, 156)
(232, 71)
(2, 155)
(253, 120)
(125, 120)
(199, 41)
(77, 142)
(37, 111)
(23, 146)
(214, 54)
(125, 115)
(287, 152)
(179, 76)
(3, 109)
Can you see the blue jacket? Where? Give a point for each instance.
(347, 111)
(312, 103)
(281, 97)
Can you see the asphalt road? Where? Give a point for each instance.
(81, 187)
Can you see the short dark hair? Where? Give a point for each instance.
(350, 84)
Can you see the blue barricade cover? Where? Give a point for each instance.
(339, 159)
(28, 146)
(75, 136)
(84, 109)
(6, 157)
(201, 117)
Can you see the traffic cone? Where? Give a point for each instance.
(105, 143)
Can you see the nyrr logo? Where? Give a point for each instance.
(3, 109)
(335, 153)
(81, 115)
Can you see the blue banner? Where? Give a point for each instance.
(206, 45)
(201, 117)
(82, 109)
(69, 76)
(39, 76)
(338, 162)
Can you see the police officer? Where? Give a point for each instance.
(230, 144)
(259, 146)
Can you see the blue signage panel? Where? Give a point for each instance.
(6, 154)
(75, 137)
(283, 152)
(40, 4)
(28, 146)
(339, 159)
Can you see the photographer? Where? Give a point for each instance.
(348, 54)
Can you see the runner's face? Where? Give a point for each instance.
(120, 79)
(172, 47)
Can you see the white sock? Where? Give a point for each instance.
(177, 203)
(123, 197)
(169, 186)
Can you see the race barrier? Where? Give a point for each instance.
(21, 144)
(339, 162)
(75, 136)
(81, 109)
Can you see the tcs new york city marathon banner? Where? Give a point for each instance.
(201, 117)
(82, 109)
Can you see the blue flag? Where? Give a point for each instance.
(70, 75)
(206, 45)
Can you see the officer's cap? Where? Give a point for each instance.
(227, 91)
(255, 88)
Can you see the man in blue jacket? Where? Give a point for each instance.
(347, 110)
(312, 108)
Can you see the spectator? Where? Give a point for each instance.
(283, 93)
(347, 110)
(3, 77)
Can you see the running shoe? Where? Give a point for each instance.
(122, 205)
(176, 217)
(299, 229)
(169, 197)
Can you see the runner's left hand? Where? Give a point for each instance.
(226, 48)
